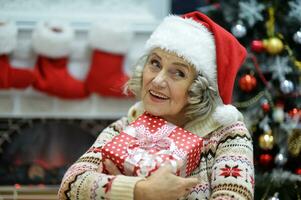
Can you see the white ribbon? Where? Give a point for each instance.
(139, 156)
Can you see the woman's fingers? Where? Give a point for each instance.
(111, 167)
(100, 168)
(164, 184)
(191, 182)
(171, 167)
(186, 185)
(166, 168)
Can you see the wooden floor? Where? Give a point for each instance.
(17, 192)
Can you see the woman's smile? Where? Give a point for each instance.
(157, 96)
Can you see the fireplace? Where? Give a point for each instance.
(39, 151)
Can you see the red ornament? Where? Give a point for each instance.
(247, 83)
(265, 159)
(257, 46)
(265, 107)
(298, 171)
(294, 112)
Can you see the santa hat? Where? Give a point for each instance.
(210, 48)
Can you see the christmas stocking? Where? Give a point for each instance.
(52, 42)
(11, 77)
(110, 43)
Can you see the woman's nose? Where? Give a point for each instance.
(160, 80)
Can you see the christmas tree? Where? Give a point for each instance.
(268, 88)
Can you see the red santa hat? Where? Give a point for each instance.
(210, 48)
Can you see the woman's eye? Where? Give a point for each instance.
(155, 63)
(179, 73)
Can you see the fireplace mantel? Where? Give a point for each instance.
(142, 15)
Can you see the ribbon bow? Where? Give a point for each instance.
(148, 140)
(139, 156)
(158, 140)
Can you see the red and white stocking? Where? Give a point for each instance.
(11, 77)
(110, 43)
(52, 42)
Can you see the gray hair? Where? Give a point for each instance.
(202, 96)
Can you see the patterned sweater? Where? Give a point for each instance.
(225, 171)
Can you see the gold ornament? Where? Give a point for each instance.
(266, 140)
(273, 45)
(298, 64)
(294, 142)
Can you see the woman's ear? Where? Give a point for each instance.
(135, 111)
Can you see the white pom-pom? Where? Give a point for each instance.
(8, 37)
(227, 114)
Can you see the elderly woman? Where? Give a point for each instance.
(187, 78)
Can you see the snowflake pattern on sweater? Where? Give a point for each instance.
(225, 171)
(226, 168)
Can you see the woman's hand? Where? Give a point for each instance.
(110, 167)
(162, 184)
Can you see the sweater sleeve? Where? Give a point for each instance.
(233, 169)
(83, 181)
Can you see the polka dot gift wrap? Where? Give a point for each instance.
(150, 141)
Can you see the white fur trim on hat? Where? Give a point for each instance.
(8, 37)
(188, 39)
(112, 37)
(227, 114)
(51, 43)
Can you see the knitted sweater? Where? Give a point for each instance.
(225, 171)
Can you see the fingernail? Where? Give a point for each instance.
(106, 162)
(180, 163)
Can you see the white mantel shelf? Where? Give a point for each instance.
(33, 104)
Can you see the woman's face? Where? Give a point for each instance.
(165, 82)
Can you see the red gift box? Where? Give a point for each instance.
(149, 142)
